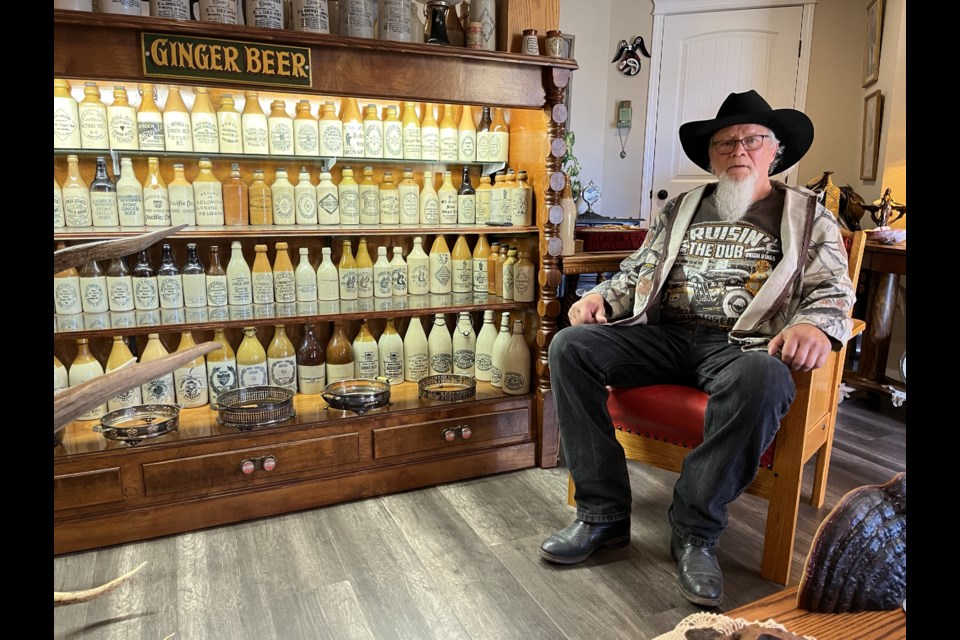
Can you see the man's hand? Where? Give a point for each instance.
(588, 310)
(802, 347)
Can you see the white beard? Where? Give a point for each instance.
(733, 197)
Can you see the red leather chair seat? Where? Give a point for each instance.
(665, 412)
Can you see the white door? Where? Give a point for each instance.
(703, 58)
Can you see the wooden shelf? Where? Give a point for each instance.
(593, 262)
(317, 231)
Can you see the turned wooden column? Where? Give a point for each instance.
(881, 302)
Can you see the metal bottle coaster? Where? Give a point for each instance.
(139, 422)
(358, 395)
(252, 407)
(447, 387)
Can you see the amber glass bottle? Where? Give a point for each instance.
(311, 364)
(339, 355)
(261, 200)
(236, 200)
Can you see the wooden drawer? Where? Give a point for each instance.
(484, 429)
(84, 489)
(219, 469)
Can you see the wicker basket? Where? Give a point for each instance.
(251, 407)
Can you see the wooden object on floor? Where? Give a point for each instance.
(782, 607)
(805, 431)
(513, 16)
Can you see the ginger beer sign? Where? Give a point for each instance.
(172, 56)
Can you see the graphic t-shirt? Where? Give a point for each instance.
(722, 265)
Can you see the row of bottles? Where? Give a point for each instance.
(501, 358)
(496, 269)
(208, 202)
(205, 128)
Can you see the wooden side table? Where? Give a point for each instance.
(866, 625)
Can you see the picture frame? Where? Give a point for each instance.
(567, 52)
(871, 52)
(870, 144)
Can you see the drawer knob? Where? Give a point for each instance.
(466, 432)
(269, 463)
(449, 435)
(248, 467)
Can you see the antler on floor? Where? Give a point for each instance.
(61, 598)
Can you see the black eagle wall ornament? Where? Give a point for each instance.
(627, 58)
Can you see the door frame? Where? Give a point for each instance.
(663, 8)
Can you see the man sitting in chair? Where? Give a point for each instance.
(684, 309)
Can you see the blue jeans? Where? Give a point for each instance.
(749, 393)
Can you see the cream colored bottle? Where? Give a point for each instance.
(66, 117)
(508, 274)
(364, 271)
(398, 273)
(204, 124)
(499, 137)
(156, 197)
(67, 299)
(418, 269)
(305, 196)
(498, 270)
(183, 208)
(440, 347)
(464, 346)
(512, 201)
(447, 198)
(392, 134)
(261, 276)
(409, 193)
(389, 200)
(441, 275)
(429, 135)
(229, 126)
(284, 198)
(119, 285)
(305, 131)
(190, 380)
(208, 195)
(523, 210)
(280, 129)
(253, 125)
(496, 358)
(412, 144)
(484, 197)
(484, 348)
(524, 279)
(372, 132)
(382, 275)
(339, 355)
(169, 281)
(328, 200)
(347, 272)
(177, 131)
(480, 254)
(416, 353)
(251, 360)
(261, 199)
(129, 196)
(149, 120)
(61, 378)
(390, 348)
(282, 360)
(194, 279)
(500, 200)
(83, 368)
(76, 196)
(462, 266)
(330, 131)
(239, 277)
(366, 355)
(328, 278)
(306, 278)
(449, 136)
(120, 356)
(122, 122)
(348, 194)
(353, 140)
(429, 201)
(284, 278)
(467, 136)
(93, 119)
(159, 390)
(221, 367)
(59, 219)
(516, 362)
(369, 192)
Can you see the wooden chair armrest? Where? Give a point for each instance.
(858, 327)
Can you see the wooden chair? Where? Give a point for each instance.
(660, 424)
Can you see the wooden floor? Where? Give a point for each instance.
(457, 561)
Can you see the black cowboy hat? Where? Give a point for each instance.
(793, 128)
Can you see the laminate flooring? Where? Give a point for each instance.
(450, 562)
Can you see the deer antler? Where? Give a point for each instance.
(61, 598)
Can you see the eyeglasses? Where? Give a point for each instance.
(750, 143)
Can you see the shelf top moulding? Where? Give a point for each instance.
(110, 47)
